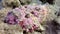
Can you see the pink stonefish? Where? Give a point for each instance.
(29, 17)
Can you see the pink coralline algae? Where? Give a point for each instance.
(28, 17)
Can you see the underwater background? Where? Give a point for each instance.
(51, 25)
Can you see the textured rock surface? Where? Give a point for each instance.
(11, 3)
